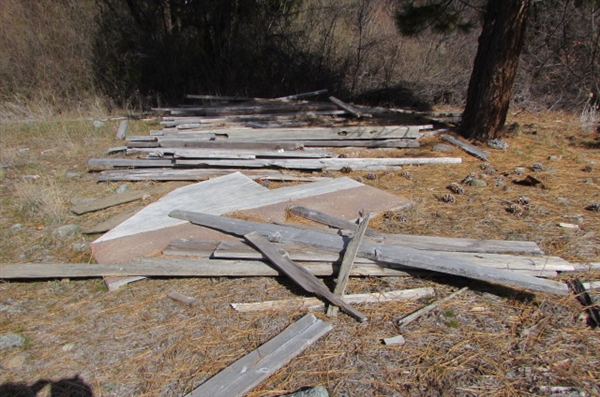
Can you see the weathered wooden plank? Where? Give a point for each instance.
(372, 143)
(224, 119)
(335, 164)
(198, 174)
(425, 260)
(121, 198)
(172, 142)
(467, 147)
(348, 108)
(178, 267)
(299, 274)
(250, 370)
(184, 247)
(231, 153)
(348, 261)
(314, 303)
(326, 133)
(424, 310)
(111, 222)
(222, 98)
(131, 162)
(541, 266)
(279, 107)
(426, 242)
(301, 95)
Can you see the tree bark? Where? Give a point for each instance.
(494, 69)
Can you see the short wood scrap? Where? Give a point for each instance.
(122, 130)
(249, 371)
(404, 321)
(314, 303)
(188, 300)
(349, 108)
(300, 275)
(467, 147)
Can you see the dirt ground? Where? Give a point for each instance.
(81, 340)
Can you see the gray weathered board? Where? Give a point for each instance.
(231, 153)
(314, 303)
(467, 147)
(426, 242)
(300, 164)
(318, 133)
(198, 174)
(541, 266)
(425, 260)
(181, 267)
(249, 371)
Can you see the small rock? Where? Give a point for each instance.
(587, 168)
(98, 124)
(456, 188)
(407, 174)
(498, 144)
(68, 347)
(371, 176)
(318, 391)
(16, 227)
(346, 170)
(593, 207)
(14, 362)
(551, 169)
(499, 183)
(440, 147)
(519, 170)
(73, 174)
(11, 341)
(121, 189)
(450, 199)
(80, 247)
(537, 167)
(66, 230)
(554, 158)
(397, 340)
(588, 181)
(478, 183)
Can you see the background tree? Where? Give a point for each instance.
(496, 62)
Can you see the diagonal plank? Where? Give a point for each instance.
(249, 371)
(348, 261)
(299, 274)
(420, 259)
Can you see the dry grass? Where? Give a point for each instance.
(489, 341)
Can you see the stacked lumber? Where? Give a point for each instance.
(285, 133)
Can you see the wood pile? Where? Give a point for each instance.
(250, 134)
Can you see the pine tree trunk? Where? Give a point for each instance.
(494, 69)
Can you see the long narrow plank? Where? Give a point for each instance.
(369, 143)
(314, 303)
(364, 132)
(121, 198)
(320, 164)
(231, 153)
(172, 142)
(177, 267)
(467, 147)
(300, 275)
(108, 162)
(249, 371)
(195, 175)
(425, 242)
(540, 266)
(425, 260)
(348, 261)
(112, 222)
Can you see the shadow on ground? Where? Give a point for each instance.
(67, 387)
